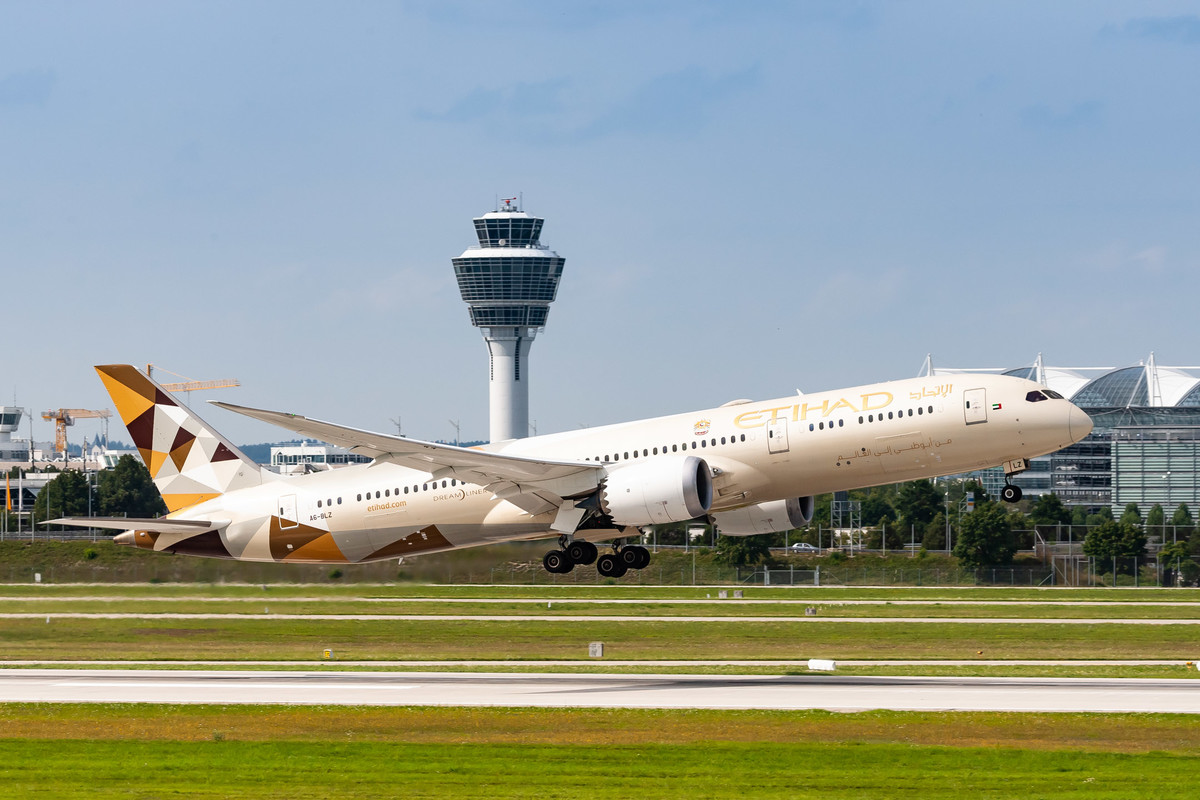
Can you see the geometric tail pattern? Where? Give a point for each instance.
(190, 462)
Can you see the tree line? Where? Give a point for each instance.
(126, 490)
(922, 514)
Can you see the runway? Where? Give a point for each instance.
(829, 692)
(806, 620)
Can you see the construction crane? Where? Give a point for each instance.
(190, 386)
(67, 416)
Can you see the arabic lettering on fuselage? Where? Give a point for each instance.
(943, 390)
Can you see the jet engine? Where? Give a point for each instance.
(773, 517)
(658, 491)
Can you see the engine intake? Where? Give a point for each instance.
(776, 516)
(655, 492)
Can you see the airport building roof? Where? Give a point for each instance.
(1146, 384)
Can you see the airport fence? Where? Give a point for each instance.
(81, 558)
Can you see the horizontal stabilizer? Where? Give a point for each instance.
(159, 525)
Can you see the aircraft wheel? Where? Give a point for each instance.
(1010, 493)
(581, 552)
(610, 566)
(635, 557)
(557, 561)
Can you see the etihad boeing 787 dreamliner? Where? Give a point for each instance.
(747, 467)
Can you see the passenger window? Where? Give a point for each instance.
(812, 427)
(406, 490)
(674, 448)
(931, 409)
(359, 498)
(841, 423)
(920, 410)
(318, 504)
(387, 492)
(889, 415)
(722, 440)
(703, 443)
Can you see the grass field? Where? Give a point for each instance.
(613, 592)
(154, 751)
(255, 630)
(269, 639)
(250, 752)
(550, 605)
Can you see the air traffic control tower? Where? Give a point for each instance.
(508, 281)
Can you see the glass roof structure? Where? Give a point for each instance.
(1122, 388)
(1141, 386)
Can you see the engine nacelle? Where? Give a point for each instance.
(776, 516)
(658, 491)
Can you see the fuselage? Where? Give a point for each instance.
(757, 452)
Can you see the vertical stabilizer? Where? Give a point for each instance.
(190, 462)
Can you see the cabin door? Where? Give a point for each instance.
(975, 405)
(288, 518)
(777, 436)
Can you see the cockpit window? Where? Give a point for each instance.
(1053, 395)
(1035, 397)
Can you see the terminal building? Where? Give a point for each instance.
(1144, 449)
(298, 459)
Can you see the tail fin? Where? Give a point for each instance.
(190, 462)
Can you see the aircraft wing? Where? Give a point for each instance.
(159, 524)
(514, 478)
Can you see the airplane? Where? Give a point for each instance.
(746, 467)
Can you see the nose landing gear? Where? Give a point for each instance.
(1011, 493)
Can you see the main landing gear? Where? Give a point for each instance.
(610, 565)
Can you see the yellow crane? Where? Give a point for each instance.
(67, 416)
(190, 386)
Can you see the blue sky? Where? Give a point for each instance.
(751, 198)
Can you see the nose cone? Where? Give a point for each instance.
(1080, 423)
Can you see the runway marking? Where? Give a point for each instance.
(596, 618)
(241, 683)
(818, 601)
(533, 665)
